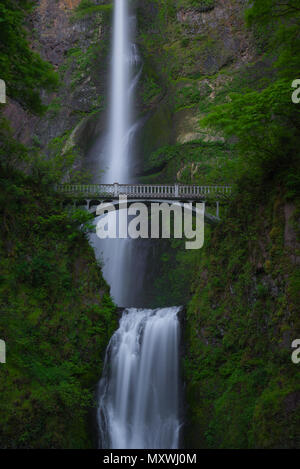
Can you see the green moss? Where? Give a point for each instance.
(199, 5)
(156, 131)
(88, 7)
(23, 70)
(238, 363)
(196, 161)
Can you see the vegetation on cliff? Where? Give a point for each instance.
(242, 387)
(56, 313)
(23, 70)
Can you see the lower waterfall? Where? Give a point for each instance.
(138, 393)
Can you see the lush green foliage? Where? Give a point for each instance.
(201, 5)
(56, 313)
(197, 161)
(242, 387)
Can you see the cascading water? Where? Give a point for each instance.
(120, 116)
(138, 393)
(138, 405)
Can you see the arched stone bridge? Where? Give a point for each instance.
(93, 194)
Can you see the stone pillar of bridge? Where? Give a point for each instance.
(176, 190)
(116, 189)
(218, 209)
(88, 203)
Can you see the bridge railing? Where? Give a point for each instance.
(143, 190)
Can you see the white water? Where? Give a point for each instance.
(138, 405)
(138, 393)
(120, 117)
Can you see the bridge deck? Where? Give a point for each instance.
(161, 191)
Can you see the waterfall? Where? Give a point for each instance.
(126, 69)
(138, 394)
(120, 116)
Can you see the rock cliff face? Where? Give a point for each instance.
(184, 51)
(224, 26)
(76, 42)
(55, 34)
(192, 56)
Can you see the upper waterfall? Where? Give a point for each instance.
(118, 146)
(123, 57)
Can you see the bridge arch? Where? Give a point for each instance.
(92, 208)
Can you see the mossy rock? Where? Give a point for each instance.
(156, 132)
